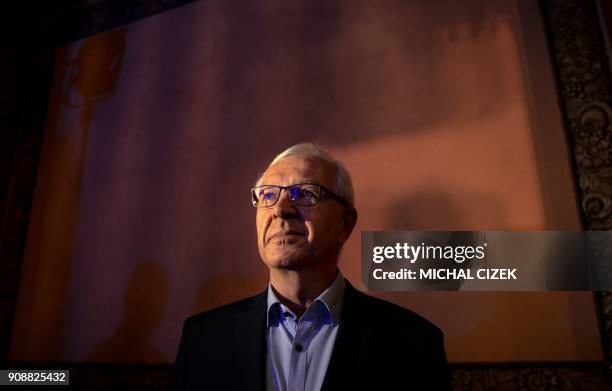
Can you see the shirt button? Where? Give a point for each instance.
(299, 347)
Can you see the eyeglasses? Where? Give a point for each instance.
(301, 194)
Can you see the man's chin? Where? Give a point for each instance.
(288, 263)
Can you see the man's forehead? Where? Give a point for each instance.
(298, 169)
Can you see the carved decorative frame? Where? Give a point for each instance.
(584, 87)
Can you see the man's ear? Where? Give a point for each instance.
(349, 219)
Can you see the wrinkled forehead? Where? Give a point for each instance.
(299, 169)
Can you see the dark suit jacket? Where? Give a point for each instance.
(379, 346)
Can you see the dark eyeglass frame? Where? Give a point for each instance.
(323, 193)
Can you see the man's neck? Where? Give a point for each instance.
(297, 289)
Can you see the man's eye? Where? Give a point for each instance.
(267, 196)
(306, 194)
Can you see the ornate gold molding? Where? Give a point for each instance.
(584, 87)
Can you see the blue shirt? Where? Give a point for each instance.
(299, 349)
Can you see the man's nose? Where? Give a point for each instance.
(284, 207)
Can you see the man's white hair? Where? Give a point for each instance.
(343, 185)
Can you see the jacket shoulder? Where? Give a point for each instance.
(392, 314)
(226, 312)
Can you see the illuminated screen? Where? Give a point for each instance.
(444, 112)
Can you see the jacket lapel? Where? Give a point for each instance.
(350, 347)
(250, 340)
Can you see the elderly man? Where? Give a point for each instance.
(310, 329)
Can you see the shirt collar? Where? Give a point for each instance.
(331, 298)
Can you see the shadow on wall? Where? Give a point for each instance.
(440, 209)
(145, 301)
(446, 209)
(346, 72)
